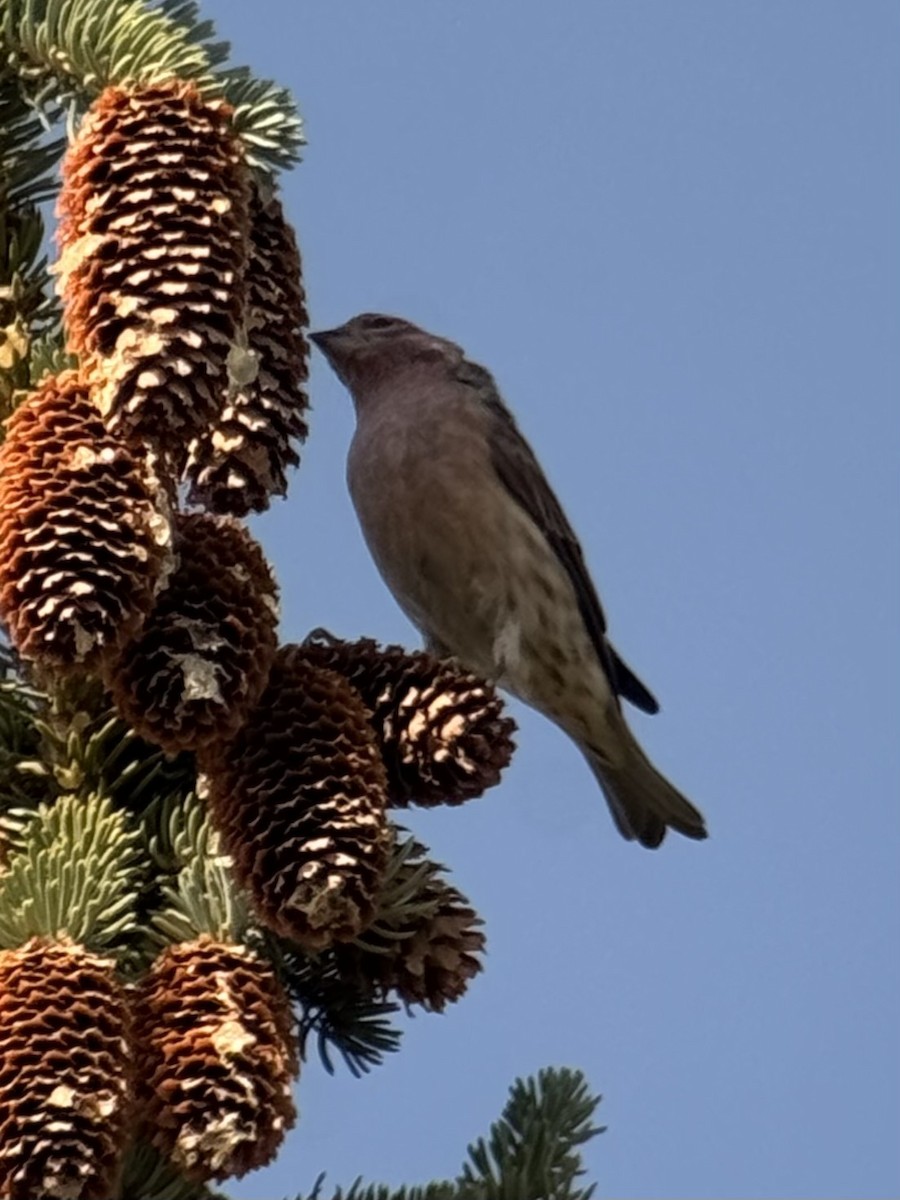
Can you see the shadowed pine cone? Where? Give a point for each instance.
(153, 240)
(216, 1058)
(83, 540)
(425, 941)
(65, 1074)
(443, 735)
(203, 655)
(299, 799)
(241, 461)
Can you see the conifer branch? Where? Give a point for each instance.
(28, 309)
(198, 894)
(531, 1153)
(24, 779)
(68, 51)
(72, 872)
(342, 1020)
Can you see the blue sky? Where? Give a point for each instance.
(671, 231)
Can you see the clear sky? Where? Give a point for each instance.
(672, 231)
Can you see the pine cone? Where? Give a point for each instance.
(83, 539)
(238, 464)
(299, 799)
(64, 1073)
(216, 1057)
(442, 733)
(424, 940)
(153, 238)
(203, 656)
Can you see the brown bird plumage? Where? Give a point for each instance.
(478, 552)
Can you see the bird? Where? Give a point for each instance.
(469, 536)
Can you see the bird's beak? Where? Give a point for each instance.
(333, 345)
(325, 339)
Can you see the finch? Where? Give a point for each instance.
(474, 545)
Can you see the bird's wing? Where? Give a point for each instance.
(521, 475)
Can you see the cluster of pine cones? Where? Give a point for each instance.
(124, 558)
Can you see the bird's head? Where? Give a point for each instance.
(371, 347)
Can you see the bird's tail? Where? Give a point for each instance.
(643, 802)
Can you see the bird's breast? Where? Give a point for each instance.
(465, 561)
(437, 525)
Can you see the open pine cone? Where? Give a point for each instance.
(84, 542)
(154, 240)
(216, 1057)
(299, 799)
(203, 656)
(65, 1073)
(442, 731)
(241, 461)
(425, 942)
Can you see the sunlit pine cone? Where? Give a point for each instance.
(299, 799)
(216, 1057)
(241, 461)
(425, 942)
(202, 658)
(442, 731)
(153, 240)
(84, 542)
(65, 1073)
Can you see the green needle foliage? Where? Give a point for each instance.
(339, 1020)
(85, 746)
(73, 872)
(200, 896)
(531, 1153)
(28, 310)
(533, 1150)
(23, 777)
(68, 51)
